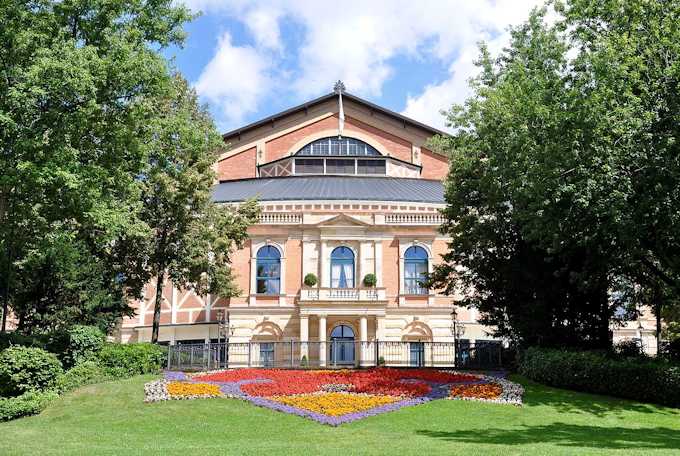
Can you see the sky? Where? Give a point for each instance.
(251, 59)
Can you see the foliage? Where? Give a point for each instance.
(76, 344)
(15, 338)
(74, 108)
(29, 403)
(629, 349)
(564, 173)
(191, 238)
(303, 361)
(594, 372)
(132, 359)
(671, 351)
(370, 280)
(83, 373)
(25, 369)
(311, 280)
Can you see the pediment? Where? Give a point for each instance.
(342, 220)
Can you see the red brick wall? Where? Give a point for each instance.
(435, 166)
(240, 166)
(293, 266)
(279, 147)
(391, 269)
(240, 264)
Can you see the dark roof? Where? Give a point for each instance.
(296, 188)
(324, 98)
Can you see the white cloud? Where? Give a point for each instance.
(357, 41)
(234, 81)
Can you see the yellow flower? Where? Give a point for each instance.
(335, 404)
(193, 389)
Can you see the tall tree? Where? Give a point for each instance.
(74, 79)
(569, 148)
(191, 237)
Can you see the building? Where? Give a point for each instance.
(348, 190)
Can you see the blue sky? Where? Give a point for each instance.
(248, 60)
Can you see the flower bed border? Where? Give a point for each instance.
(511, 394)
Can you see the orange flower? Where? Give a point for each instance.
(484, 391)
(184, 389)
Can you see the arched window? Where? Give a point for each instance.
(268, 269)
(342, 268)
(342, 332)
(335, 146)
(415, 270)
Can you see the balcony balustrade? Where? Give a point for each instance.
(343, 294)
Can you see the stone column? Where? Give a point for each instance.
(363, 337)
(322, 340)
(304, 337)
(378, 260)
(324, 266)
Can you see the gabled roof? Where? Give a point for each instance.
(303, 107)
(344, 188)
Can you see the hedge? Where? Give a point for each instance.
(122, 360)
(76, 344)
(24, 369)
(30, 403)
(595, 372)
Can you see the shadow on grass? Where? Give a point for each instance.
(576, 402)
(569, 435)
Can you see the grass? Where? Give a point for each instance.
(111, 418)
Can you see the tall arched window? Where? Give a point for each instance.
(268, 269)
(342, 268)
(415, 270)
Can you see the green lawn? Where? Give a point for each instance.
(111, 419)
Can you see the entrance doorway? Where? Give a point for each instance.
(417, 352)
(342, 345)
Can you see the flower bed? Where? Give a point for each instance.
(335, 396)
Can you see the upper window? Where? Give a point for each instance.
(415, 270)
(268, 270)
(335, 146)
(342, 268)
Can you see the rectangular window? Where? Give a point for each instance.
(339, 166)
(414, 274)
(268, 277)
(267, 354)
(308, 166)
(371, 167)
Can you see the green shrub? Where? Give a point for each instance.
(29, 403)
(122, 360)
(629, 349)
(9, 339)
(311, 280)
(381, 361)
(84, 373)
(25, 369)
(303, 361)
(77, 344)
(595, 372)
(370, 280)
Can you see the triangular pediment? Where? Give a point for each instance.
(342, 220)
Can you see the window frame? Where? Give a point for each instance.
(411, 286)
(266, 279)
(341, 262)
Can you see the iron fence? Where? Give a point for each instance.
(333, 354)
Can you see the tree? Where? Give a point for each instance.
(191, 237)
(567, 152)
(76, 76)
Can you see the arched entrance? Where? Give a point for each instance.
(342, 345)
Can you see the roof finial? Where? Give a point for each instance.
(339, 87)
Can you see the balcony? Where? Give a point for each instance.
(342, 294)
(414, 219)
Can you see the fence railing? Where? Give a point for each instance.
(333, 354)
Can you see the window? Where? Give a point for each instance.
(415, 270)
(342, 268)
(334, 146)
(268, 270)
(339, 166)
(308, 166)
(267, 354)
(371, 167)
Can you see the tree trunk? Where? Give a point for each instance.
(157, 305)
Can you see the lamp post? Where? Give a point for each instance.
(224, 328)
(457, 330)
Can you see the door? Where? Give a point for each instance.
(267, 354)
(417, 350)
(342, 345)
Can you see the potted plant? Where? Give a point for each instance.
(370, 280)
(303, 361)
(310, 280)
